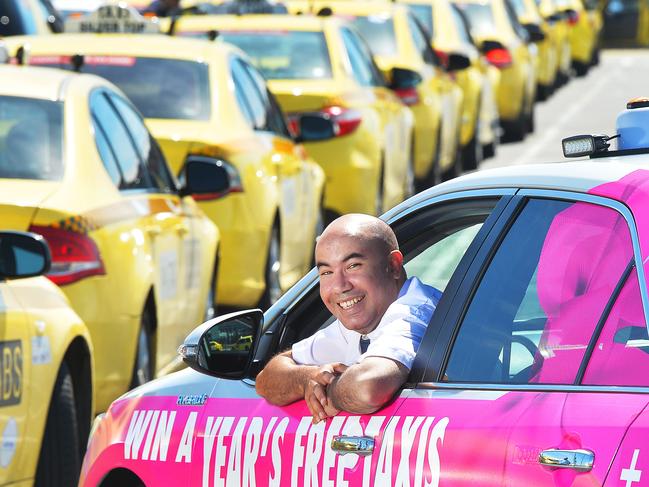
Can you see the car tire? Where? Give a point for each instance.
(273, 289)
(529, 119)
(59, 461)
(514, 131)
(488, 150)
(472, 153)
(143, 364)
(581, 69)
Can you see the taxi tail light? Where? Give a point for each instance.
(345, 120)
(74, 255)
(573, 17)
(409, 96)
(499, 57)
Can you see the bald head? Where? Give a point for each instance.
(363, 227)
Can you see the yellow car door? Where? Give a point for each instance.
(15, 367)
(395, 126)
(282, 157)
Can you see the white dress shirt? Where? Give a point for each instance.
(397, 335)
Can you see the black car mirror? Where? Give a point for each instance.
(224, 346)
(457, 62)
(207, 178)
(534, 32)
(315, 127)
(23, 255)
(402, 78)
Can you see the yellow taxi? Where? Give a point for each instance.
(397, 40)
(204, 101)
(130, 248)
(505, 43)
(321, 66)
(46, 392)
(559, 31)
(450, 36)
(585, 21)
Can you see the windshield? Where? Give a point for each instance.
(31, 138)
(16, 19)
(378, 31)
(480, 17)
(159, 88)
(284, 54)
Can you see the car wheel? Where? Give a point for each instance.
(529, 119)
(488, 150)
(472, 152)
(272, 272)
(581, 69)
(515, 130)
(143, 365)
(59, 461)
(210, 302)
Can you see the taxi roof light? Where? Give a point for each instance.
(584, 145)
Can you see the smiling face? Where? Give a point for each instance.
(360, 270)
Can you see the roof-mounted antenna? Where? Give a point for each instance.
(172, 25)
(325, 12)
(77, 62)
(21, 55)
(212, 34)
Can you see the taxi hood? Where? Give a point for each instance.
(19, 200)
(305, 95)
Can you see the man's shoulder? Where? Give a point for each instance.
(418, 293)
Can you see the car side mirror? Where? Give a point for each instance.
(534, 32)
(224, 346)
(23, 254)
(315, 127)
(207, 178)
(403, 79)
(457, 62)
(490, 45)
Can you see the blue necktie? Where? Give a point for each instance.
(364, 343)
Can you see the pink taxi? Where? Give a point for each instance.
(534, 369)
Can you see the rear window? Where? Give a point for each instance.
(284, 55)
(31, 136)
(424, 14)
(16, 18)
(378, 31)
(480, 18)
(159, 88)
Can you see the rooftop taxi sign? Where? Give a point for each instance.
(113, 19)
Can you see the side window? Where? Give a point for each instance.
(106, 118)
(274, 115)
(538, 304)
(461, 25)
(433, 243)
(146, 146)
(621, 353)
(250, 94)
(420, 40)
(367, 57)
(361, 71)
(516, 25)
(239, 92)
(106, 153)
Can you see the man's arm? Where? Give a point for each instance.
(367, 386)
(283, 381)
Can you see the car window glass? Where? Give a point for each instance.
(461, 26)
(378, 32)
(251, 95)
(16, 18)
(542, 295)
(147, 147)
(274, 115)
(106, 153)
(480, 18)
(420, 40)
(31, 138)
(133, 174)
(159, 88)
(244, 105)
(621, 353)
(361, 70)
(424, 14)
(284, 54)
(519, 30)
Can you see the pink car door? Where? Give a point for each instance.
(507, 370)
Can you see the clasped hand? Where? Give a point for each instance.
(315, 391)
